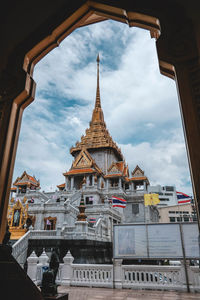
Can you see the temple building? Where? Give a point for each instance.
(98, 173)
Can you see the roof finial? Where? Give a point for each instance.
(98, 102)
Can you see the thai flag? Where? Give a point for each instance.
(183, 198)
(92, 220)
(118, 202)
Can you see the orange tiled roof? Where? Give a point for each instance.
(26, 183)
(80, 171)
(113, 175)
(61, 185)
(13, 189)
(28, 180)
(138, 178)
(32, 178)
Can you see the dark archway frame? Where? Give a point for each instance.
(178, 53)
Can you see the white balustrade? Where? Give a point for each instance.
(92, 275)
(32, 269)
(122, 276)
(153, 277)
(19, 249)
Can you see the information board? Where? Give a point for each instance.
(156, 241)
(190, 240)
(164, 241)
(130, 241)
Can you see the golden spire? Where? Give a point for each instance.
(97, 115)
(97, 136)
(98, 101)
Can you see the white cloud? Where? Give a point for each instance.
(140, 105)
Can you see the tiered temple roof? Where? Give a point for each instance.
(97, 136)
(26, 180)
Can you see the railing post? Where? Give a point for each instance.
(183, 276)
(67, 270)
(32, 266)
(117, 273)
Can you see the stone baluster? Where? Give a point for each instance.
(43, 259)
(32, 266)
(43, 262)
(67, 271)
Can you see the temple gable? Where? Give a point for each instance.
(83, 160)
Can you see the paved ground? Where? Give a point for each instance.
(85, 293)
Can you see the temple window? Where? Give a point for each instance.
(114, 182)
(90, 180)
(126, 186)
(50, 223)
(139, 186)
(89, 200)
(23, 190)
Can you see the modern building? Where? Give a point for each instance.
(177, 213)
(167, 194)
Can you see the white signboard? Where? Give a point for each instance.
(191, 240)
(164, 241)
(130, 241)
(156, 241)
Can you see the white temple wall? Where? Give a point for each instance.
(103, 158)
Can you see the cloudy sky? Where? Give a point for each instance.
(140, 106)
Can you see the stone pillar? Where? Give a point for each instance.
(32, 266)
(120, 183)
(67, 271)
(92, 179)
(43, 258)
(66, 182)
(182, 63)
(87, 180)
(17, 90)
(132, 186)
(117, 280)
(72, 183)
(107, 183)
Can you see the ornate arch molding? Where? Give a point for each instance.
(89, 13)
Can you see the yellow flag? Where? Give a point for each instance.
(151, 199)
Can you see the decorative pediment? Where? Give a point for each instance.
(83, 160)
(137, 172)
(113, 169)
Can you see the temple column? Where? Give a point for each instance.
(72, 183)
(87, 180)
(93, 180)
(182, 63)
(107, 183)
(120, 183)
(17, 90)
(132, 186)
(66, 182)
